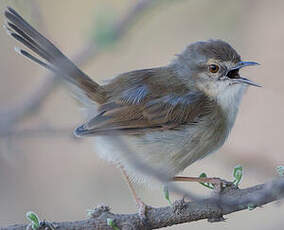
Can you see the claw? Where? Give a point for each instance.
(142, 212)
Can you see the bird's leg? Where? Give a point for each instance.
(217, 182)
(142, 207)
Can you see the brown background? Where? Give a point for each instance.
(60, 177)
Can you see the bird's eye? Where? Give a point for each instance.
(213, 68)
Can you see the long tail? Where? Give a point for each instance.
(54, 59)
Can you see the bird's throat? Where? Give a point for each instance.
(229, 101)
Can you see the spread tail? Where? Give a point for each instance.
(52, 58)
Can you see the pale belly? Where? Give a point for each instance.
(167, 152)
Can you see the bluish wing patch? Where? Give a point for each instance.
(174, 100)
(134, 95)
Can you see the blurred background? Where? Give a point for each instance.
(45, 169)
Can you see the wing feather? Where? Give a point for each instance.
(133, 118)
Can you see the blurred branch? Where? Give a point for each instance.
(10, 117)
(229, 201)
(42, 131)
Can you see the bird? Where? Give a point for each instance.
(170, 116)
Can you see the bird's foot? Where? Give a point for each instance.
(142, 209)
(218, 183)
(142, 212)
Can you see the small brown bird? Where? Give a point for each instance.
(170, 116)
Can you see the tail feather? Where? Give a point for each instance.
(36, 60)
(56, 61)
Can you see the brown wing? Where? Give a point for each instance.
(139, 108)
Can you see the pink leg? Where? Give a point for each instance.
(217, 182)
(139, 203)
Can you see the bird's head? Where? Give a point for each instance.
(213, 66)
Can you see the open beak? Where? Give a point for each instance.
(243, 80)
(246, 81)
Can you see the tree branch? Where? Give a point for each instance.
(213, 208)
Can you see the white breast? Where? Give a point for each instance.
(229, 100)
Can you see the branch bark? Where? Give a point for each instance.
(214, 208)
